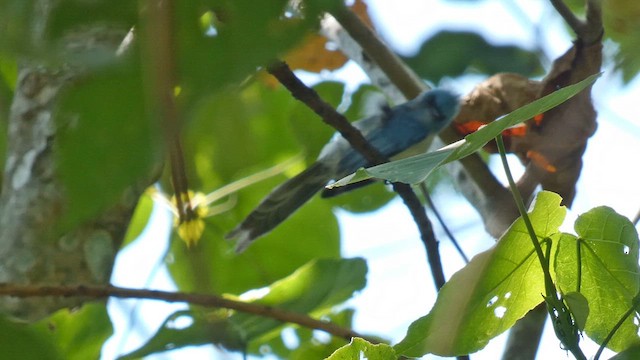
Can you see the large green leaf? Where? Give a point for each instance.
(632, 353)
(106, 142)
(440, 56)
(311, 346)
(359, 348)
(602, 264)
(140, 219)
(248, 35)
(70, 15)
(312, 289)
(416, 168)
(21, 341)
(78, 334)
(259, 119)
(487, 296)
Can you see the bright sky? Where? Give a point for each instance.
(392, 248)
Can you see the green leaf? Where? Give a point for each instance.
(140, 219)
(258, 118)
(78, 334)
(631, 353)
(440, 56)
(486, 297)
(579, 307)
(311, 346)
(608, 254)
(249, 34)
(360, 348)
(312, 289)
(70, 15)
(106, 143)
(21, 341)
(213, 267)
(620, 21)
(416, 169)
(190, 328)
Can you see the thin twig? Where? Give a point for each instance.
(206, 300)
(333, 118)
(454, 241)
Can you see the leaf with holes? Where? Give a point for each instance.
(602, 264)
(485, 298)
(362, 349)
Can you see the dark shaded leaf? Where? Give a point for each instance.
(21, 341)
(103, 148)
(450, 53)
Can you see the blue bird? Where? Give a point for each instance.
(391, 132)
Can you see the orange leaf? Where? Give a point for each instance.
(313, 55)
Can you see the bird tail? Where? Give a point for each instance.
(280, 204)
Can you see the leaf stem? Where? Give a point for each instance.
(562, 319)
(521, 208)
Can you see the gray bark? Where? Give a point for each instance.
(33, 249)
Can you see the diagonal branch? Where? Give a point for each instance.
(333, 118)
(206, 300)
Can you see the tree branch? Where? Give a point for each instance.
(569, 17)
(101, 292)
(407, 81)
(589, 31)
(333, 118)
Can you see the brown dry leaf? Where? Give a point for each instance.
(561, 138)
(553, 143)
(494, 97)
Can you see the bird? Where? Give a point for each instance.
(391, 132)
